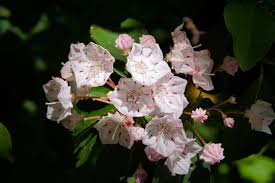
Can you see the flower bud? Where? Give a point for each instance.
(140, 175)
(229, 65)
(138, 133)
(229, 122)
(147, 40)
(124, 42)
(212, 153)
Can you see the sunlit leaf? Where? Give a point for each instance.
(257, 168)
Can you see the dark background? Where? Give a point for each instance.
(42, 149)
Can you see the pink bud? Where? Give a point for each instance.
(140, 175)
(147, 40)
(199, 115)
(152, 155)
(138, 133)
(212, 153)
(229, 65)
(229, 122)
(124, 42)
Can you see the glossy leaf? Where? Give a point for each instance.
(252, 29)
(106, 39)
(100, 91)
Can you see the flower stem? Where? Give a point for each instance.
(99, 99)
(234, 112)
(111, 83)
(197, 133)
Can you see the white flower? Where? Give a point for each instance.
(131, 98)
(66, 72)
(76, 51)
(56, 112)
(260, 116)
(70, 121)
(202, 68)
(180, 160)
(146, 64)
(93, 68)
(169, 95)
(115, 128)
(161, 134)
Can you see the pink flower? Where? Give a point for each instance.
(147, 39)
(229, 122)
(70, 121)
(212, 153)
(124, 42)
(199, 115)
(138, 133)
(76, 51)
(131, 98)
(152, 155)
(140, 175)
(229, 65)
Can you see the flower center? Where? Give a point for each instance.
(132, 96)
(140, 67)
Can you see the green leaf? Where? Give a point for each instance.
(100, 91)
(130, 23)
(85, 148)
(81, 126)
(106, 39)
(5, 141)
(252, 29)
(30, 106)
(121, 72)
(103, 111)
(41, 25)
(257, 168)
(5, 26)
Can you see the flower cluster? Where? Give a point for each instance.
(154, 91)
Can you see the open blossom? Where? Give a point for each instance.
(152, 155)
(260, 116)
(199, 115)
(137, 133)
(169, 95)
(147, 40)
(140, 175)
(131, 98)
(146, 64)
(182, 53)
(212, 153)
(115, 128)
(202, 67)
(96, 69)
(124, 42)
(161, 134)
(180, 160)
(59, 96)
(229, 122)
(229, 65)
